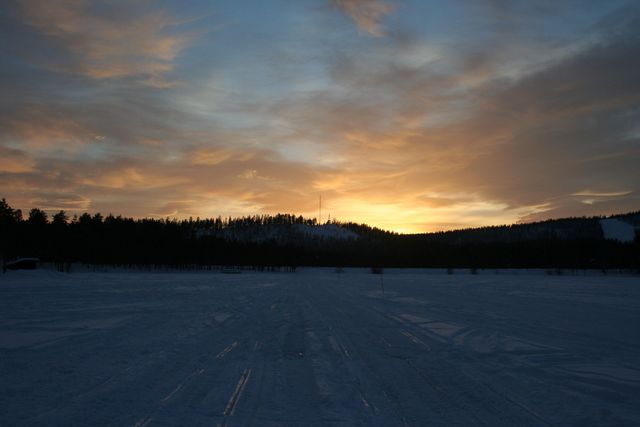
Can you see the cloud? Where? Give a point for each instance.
(174, 208)
(54, 201)
(411, 133)
(41, 127)
(108, 39)
(564, 128)
(590, 193)
(208, 156)
(439, 202)
(14, 160)
(256, 182)
(525, 143)
(366, 14)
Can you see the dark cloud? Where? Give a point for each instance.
(566, 128)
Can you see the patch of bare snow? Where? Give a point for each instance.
(615, 229)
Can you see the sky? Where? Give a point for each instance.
(409, 115)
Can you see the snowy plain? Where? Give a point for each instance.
(318, 348)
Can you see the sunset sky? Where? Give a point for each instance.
(409, 115)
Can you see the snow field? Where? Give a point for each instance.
(615, 229)
(316, 348)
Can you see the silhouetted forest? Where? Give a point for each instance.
(289, 240)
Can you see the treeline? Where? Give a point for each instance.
(555, 229)
(282, 240)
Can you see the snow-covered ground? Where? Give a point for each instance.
(616, 229)
(318, 348)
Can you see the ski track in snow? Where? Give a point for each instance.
(316, 348)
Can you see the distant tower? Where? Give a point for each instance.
(320, 210)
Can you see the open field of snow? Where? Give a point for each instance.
(318, 348)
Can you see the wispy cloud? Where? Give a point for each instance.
(590, 193)
(14, 160)
(109, 39)
(367, 14)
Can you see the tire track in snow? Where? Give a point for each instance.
(450, 408)
(345, 351)
(520, 405)
(366, 403)
(146, 420)
(444, 392)
(143, 422)
(181, 385)
(394, 405)
(235, 396)
(415, 339)
(227, 350)
(338, 347)
(447, 400)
